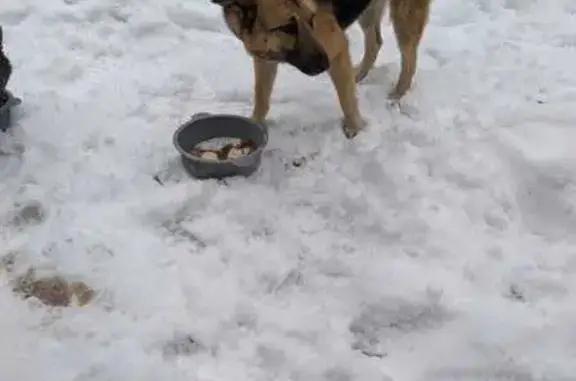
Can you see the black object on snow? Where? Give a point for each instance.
(7, 100)
(5, 65)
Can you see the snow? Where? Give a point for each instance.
(437, 245)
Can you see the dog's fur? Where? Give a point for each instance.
(323, 45)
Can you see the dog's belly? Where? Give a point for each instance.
(347, 11)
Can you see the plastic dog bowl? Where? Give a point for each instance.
(206, 126)
(7, 101)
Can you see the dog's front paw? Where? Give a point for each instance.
(352, 128)
(394, 96)
(397, 93)
(258, 119)
(360, 74)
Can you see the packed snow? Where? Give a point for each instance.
(439, 245)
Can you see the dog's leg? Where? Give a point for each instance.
(409, 18)
(264, 78)
(342, 75)
(333, 39)
(329, 35)
(370, 24)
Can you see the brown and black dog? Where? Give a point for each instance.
(310, 35)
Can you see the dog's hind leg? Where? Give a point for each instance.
(370, 23)
(409, 18)
(264, 78)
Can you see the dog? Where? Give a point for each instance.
(310, 35)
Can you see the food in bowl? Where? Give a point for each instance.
(223, 149)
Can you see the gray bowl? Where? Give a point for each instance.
(206, 126)
(7, 101)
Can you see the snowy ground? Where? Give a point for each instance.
(439, 245)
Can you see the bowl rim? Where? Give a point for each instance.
(195, 158)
